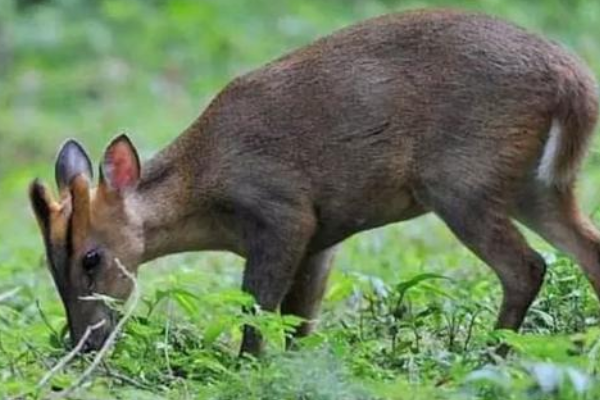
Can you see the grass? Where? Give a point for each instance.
(408, 312)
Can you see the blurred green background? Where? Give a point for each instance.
(93, 69)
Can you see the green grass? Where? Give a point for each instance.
(391, 327)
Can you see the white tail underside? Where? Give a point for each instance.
(546, 168)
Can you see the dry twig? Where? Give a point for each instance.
(62, 363)
(70, 356)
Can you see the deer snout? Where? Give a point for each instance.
(94, 340)
(93, 336)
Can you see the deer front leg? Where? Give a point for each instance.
(267, 278)
(275, 247)
(305, 295)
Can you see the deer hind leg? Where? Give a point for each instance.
(556, 217)
(306, 293)
(480, 223)
(470, 183)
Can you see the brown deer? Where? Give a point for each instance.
(459, 114)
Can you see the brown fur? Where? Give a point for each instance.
(577, 112)
(430, 111)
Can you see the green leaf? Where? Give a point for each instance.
(215, 329)
(402, 287)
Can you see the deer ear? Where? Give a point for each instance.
(120, 168)
(72, 160)
(40, 203)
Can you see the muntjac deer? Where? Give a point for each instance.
(459, 114)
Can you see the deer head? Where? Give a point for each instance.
(86, 230)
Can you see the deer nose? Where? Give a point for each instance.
(87, 347)
(94, 342)
(93, 338)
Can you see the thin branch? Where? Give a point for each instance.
(124, 378)
(72, 354)
(62, 363)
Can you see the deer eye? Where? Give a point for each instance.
(91, 260)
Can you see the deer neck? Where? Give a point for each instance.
(173, 217)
